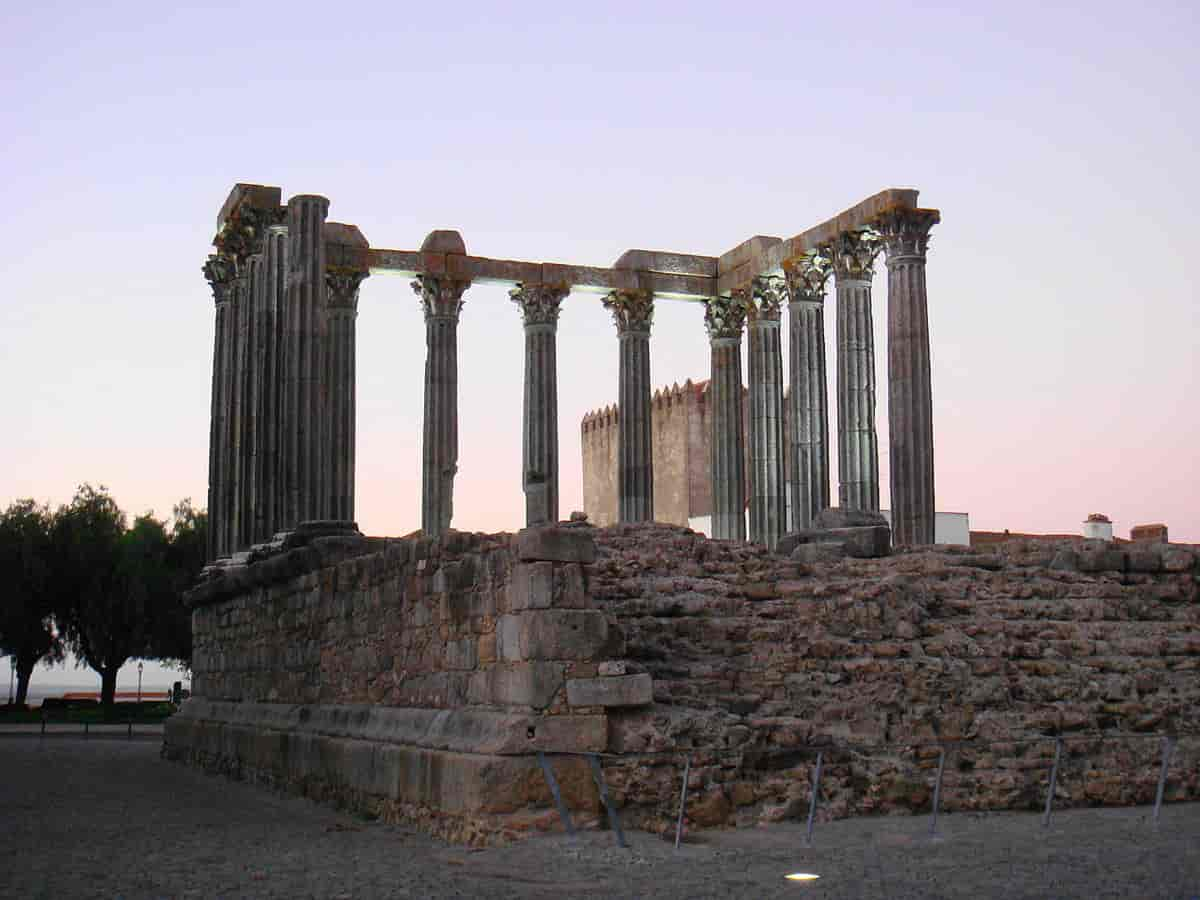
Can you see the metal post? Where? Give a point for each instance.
(687, 768)
(1053, 781)
(43, 723)
(1168, 747)
(937, 791)
(812, 804)
(563, 813)
(85, 729)
(613, 819)
(129, 735)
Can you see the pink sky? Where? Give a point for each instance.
(1059, 145)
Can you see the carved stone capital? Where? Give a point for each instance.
(221, 272)
(539, 303)
(243, 233)
(441, 297)
(807, 276)
(725, 316)
(768, 295)
(632, 311)
(854, 252)
(906, 232)
(341, 286)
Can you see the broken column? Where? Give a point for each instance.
(808, 392)
(853, 254)
(768, 503)
(539, 304)
(910, 397)
(723, 319)
(302, 412)
(441, 300)
(633, 313)
(220, 271)
(346, 267)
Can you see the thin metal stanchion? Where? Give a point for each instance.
(85, 729)
(1053, 781)
(613, 819)
(687, 768)
(129, 734)
(563, 813)
(43, 725)
(1168, 747)
(812, 803)
(937, 792)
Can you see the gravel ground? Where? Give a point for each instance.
(107, 818)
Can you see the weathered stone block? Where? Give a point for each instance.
(823, 552)
(624, 690)
(836, 517)
(554, 544)
(532, 586)
(522, 684)
(562, 634)
(1101, 561)
(613, 667)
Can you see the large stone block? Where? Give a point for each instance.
(531, 587)
(620, 690)
(556, 544)
(532, 684)
(575, 634)
(861, 541)
(836, 517)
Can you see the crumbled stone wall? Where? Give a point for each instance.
(414, 679)
(767, 661)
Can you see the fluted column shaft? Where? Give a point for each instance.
(858, 448)
(768, 503)
(633, 313)
(342, 292)
(220, 271)
(239, 307)
(724, 318)
(271, 322)
(302, 412)
(808, 426)
(250, 522)
(910, 392)
(539, 306)
(441, 299)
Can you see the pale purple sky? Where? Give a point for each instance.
(1060, 145)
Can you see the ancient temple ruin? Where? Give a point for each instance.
(286, 282)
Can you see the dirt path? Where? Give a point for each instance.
(108, 818)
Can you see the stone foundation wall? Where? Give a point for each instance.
(414, 679)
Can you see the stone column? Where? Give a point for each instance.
(539, 304)
(910, 395)
(301, 428)
(237, 385)
(633, 312)
(768, 502)
(271, 320)
(341, 285)
(220, 272)
(808, 428)
(853, 255)
(250, 521)
(723, 319)
(441, 299)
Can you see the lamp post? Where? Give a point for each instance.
(139, 684)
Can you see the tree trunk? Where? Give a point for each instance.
(108, 686)
(24, 672)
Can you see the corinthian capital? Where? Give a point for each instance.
(906, 232)
(441, 297)
(768, 295)
(342, 287)
(539, 303)
(633, 311)
(221, 272)
(806, 277)
(242, 234)
(725, 316)
(854, 252)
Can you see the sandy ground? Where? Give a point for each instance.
(107, 818)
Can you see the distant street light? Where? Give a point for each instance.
(139, 682)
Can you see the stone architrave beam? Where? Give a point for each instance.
(853, 255)
(633, 313)
(910, 393)
(723, 319)
(539, 304)
(808, 392)
(768, 501)
(441, 300)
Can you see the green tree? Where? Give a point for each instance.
(101, 617)
(27, 632)
(186, 556)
